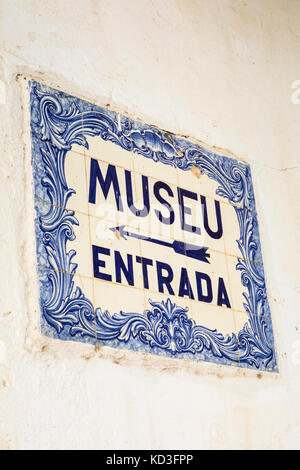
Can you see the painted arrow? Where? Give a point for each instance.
(186, 249)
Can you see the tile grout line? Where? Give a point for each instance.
(140, 249)
(233, 310)
(89, 224)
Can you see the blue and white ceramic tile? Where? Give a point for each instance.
(145, 241)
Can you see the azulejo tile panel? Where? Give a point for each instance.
(145, 240)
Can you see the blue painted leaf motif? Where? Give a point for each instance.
(165, 326)
(170, 328)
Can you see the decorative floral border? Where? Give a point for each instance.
(59, 121)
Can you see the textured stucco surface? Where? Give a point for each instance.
(218, 71)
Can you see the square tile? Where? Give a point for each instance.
(76, 179)
(117, 253)
(109, 152)
(231, 230)
(163, 218)
(155, 169)
(81, 246)
(106, 186)
(242, 294)
(85, 284)
(215, 274)
(241, 320)
(209, 316)
(201, 183)
(106, 298)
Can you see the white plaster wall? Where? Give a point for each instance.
(219, 71)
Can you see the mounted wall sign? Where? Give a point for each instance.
(145, 240)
